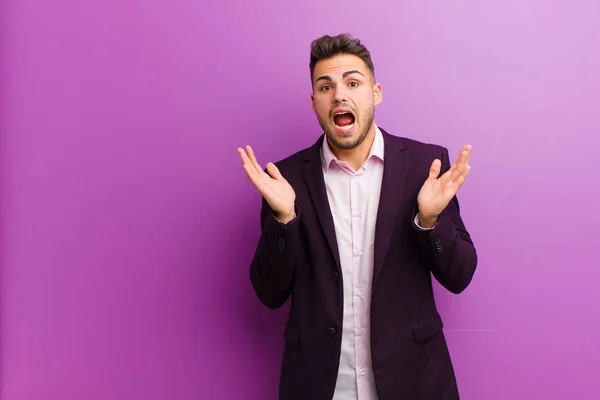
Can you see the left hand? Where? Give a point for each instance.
(435, 194)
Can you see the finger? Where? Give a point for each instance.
(256, 179)
(434, 170)
(274, 172)
(462, 177)
(461, 162)
(251, 172)
(241, 152)
(465, 155)
(446, 177)
(247, 163)
(468, 149)
(244, 156)
(253, 159)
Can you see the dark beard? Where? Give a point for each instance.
(368, 119)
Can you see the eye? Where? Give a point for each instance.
(354, 84)
(325, 88)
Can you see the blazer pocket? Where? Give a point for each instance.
(427, 328)
(292, 334)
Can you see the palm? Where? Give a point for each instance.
(435, 194)
(278, 193)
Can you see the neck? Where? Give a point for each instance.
(357, 156)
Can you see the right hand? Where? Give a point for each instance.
(278, 193)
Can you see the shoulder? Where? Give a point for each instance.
(419, 148)
(294, 161)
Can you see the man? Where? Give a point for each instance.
(353, 228)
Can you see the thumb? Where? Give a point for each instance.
(434, 171)
(274, 172)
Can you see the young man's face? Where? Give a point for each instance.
(344, 97)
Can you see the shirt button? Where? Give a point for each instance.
(362, 371)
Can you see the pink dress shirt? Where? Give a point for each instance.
(354, 199)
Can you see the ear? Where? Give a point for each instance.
(312, 99)
(377, 94)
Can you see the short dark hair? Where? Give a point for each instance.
(328, 46)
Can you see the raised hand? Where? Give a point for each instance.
(436, 193)
(278, 193)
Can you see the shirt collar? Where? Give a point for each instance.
(327, 156)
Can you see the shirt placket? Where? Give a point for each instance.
(358, 232)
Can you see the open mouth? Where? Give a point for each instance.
(343, 119)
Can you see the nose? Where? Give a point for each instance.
(341, 94)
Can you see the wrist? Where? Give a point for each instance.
(427, 221)
(284, 219)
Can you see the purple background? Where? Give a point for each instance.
(128, 223)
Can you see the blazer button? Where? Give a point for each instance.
(281, 244)
(331, 331)
(438, 245)
(335, 276)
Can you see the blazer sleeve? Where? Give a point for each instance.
(274, 262)
(449, 247)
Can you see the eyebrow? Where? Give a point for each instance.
(344, 75)
(354, 71)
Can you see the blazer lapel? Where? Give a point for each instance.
(394, 175)
(315, 182)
